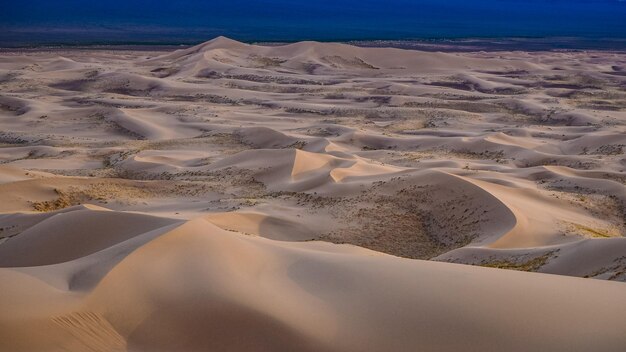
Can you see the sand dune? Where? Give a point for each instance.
(330, 298)
(57, 231)
(311, 196)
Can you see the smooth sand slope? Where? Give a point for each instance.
(197, 287)
(234, 197)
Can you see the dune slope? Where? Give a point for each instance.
(198, 288)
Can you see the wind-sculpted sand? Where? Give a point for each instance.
(312, 197)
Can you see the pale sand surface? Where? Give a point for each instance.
(231, 197)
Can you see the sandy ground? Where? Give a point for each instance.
(231, 197)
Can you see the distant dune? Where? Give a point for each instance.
(312, 197)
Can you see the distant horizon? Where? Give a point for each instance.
(468, 44)
(71, 22)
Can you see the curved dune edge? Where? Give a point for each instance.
(198, 287)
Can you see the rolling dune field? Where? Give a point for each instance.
(312, 197)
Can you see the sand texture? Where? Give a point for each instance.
(312, 197)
